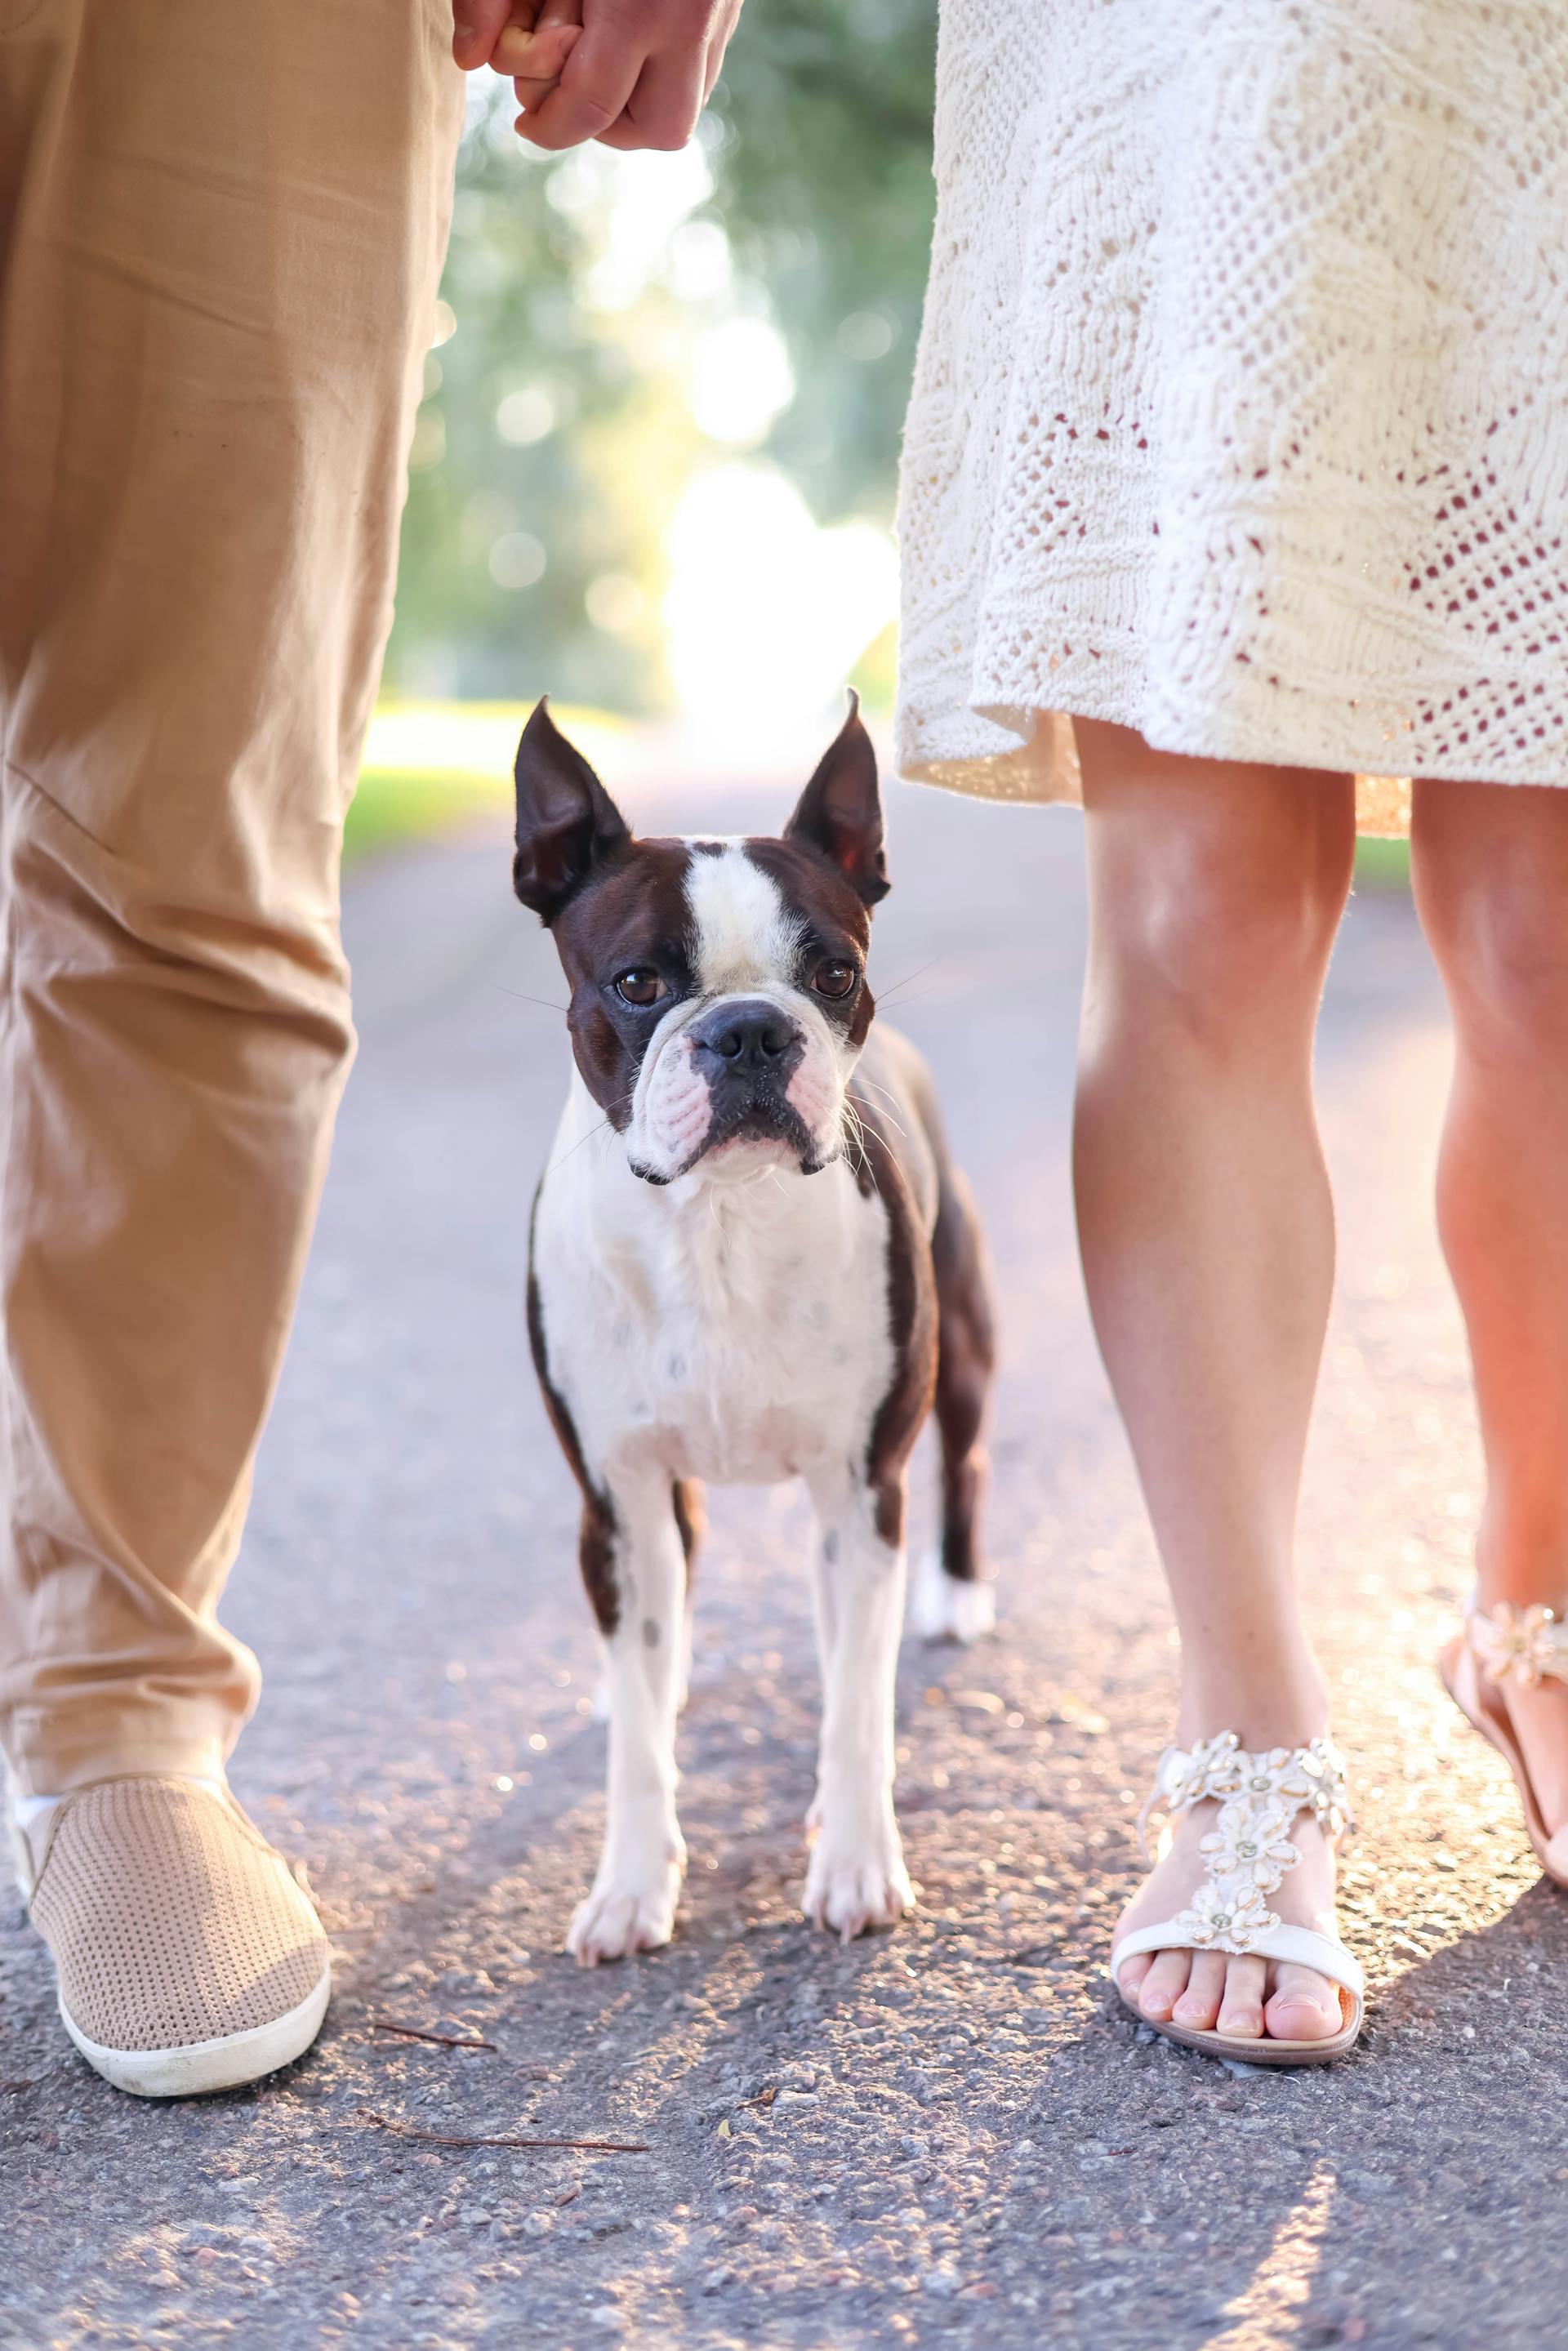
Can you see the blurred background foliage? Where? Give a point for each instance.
(654, 470)
(655, 464)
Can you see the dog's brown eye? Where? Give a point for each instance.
(834, 979)
(640, 986)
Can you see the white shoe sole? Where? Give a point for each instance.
(207, 2066)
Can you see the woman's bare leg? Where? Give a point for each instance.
(1491, 870)
(1207, 1231)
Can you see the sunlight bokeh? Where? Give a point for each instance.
(477, 739)
(767, 612)
(653, 470)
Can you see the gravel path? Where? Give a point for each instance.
(947, 2133)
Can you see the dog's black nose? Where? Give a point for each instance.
(747, 1036)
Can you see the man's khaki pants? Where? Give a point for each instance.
(221, 231)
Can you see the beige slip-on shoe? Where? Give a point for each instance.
(188, 1958)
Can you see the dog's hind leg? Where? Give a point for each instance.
(856, 1877)
(634, 1565)
(953, 1597)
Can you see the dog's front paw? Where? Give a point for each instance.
(627, 1911)
(855, 1884)
(943, 1608)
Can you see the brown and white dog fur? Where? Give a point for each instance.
(751, 1260)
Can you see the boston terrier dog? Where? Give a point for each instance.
(752, 1260)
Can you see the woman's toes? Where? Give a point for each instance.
(1241, 2007)
(1164, 1984)
(1130, 1976)
(1199, 2003)
(1304, 2007)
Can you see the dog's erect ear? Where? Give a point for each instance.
(840, 811)
(567, 822)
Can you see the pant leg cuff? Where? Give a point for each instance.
(51, 1757)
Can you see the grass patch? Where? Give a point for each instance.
(432, 767)
(395, 805)
(1382, 864)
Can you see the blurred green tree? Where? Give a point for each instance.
(824, 187)
(563, 414)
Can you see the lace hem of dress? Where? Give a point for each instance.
(1042, 769)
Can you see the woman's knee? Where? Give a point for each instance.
(1504, 957)
(1497, 917)
(1216, 886)
(1220, 932)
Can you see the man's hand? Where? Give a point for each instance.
(630, 73)
(535, 52)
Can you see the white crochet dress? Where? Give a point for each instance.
(1240, 413)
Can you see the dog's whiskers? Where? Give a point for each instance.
(608, 1119)
(856, 1128)
(577, 1146)
(884, 994)
(524, 997)
(921, 992)
(871, 1086)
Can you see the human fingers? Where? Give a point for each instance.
(719, 42)
(536, 66)
(596, 81)
(662, 110)
(683, 65)
(475, 24)
(533, 38)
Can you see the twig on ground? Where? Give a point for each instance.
(462, 2139)
(416, 2032)
(764, 2097)
(570, 2198)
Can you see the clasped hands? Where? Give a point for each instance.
(630, 73)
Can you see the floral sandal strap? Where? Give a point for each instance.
(1525, 1645)
(1248, 1850)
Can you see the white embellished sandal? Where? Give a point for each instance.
(1522, 1645)
(1248, 1851)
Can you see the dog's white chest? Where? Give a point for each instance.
(737, 1335)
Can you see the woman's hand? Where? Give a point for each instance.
(630, 73)
(534, 45)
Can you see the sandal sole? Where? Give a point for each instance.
(1266, 2052)
(1497, 1735)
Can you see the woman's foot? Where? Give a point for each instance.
(1233, 1934)
(1240, 1995)
(1539, 1717)
(1518, 1669)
